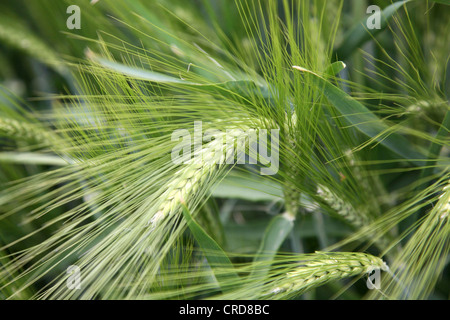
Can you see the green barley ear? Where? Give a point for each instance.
(419, 266)
(290, 276)
(17, 36)
(190, 177)
(358, 219)
(23, 131)
(114, 211)
(290, 191)
(444, 203)
(342, 207)
(323, 268)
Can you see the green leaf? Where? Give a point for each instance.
(334, 68)
(209, 219)
(365, 121)
(141, 74)
(218, 260)
(32, 158)
(359, 34)
(250, 188)
(447, 2)
(243, 88)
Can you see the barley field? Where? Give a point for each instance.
(224, 149)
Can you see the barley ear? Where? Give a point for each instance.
(290, 191)
(192, 175)
(20, 130)
(326, 267)
(342, 207)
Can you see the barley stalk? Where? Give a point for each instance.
(327, 267)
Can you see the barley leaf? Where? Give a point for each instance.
(334, 68)
(359, 34)
(365, 121)
(32, 158)
(217, 258)
(235, 87)
(251, 188)
(209, 219)
(447, 2)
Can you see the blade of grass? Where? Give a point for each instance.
(234, 87)
(359, 34)
(334, 68)
(447, 2)
(251, 188)
(209, 219)
(32, 158)
(365, 121)
(217, 258)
